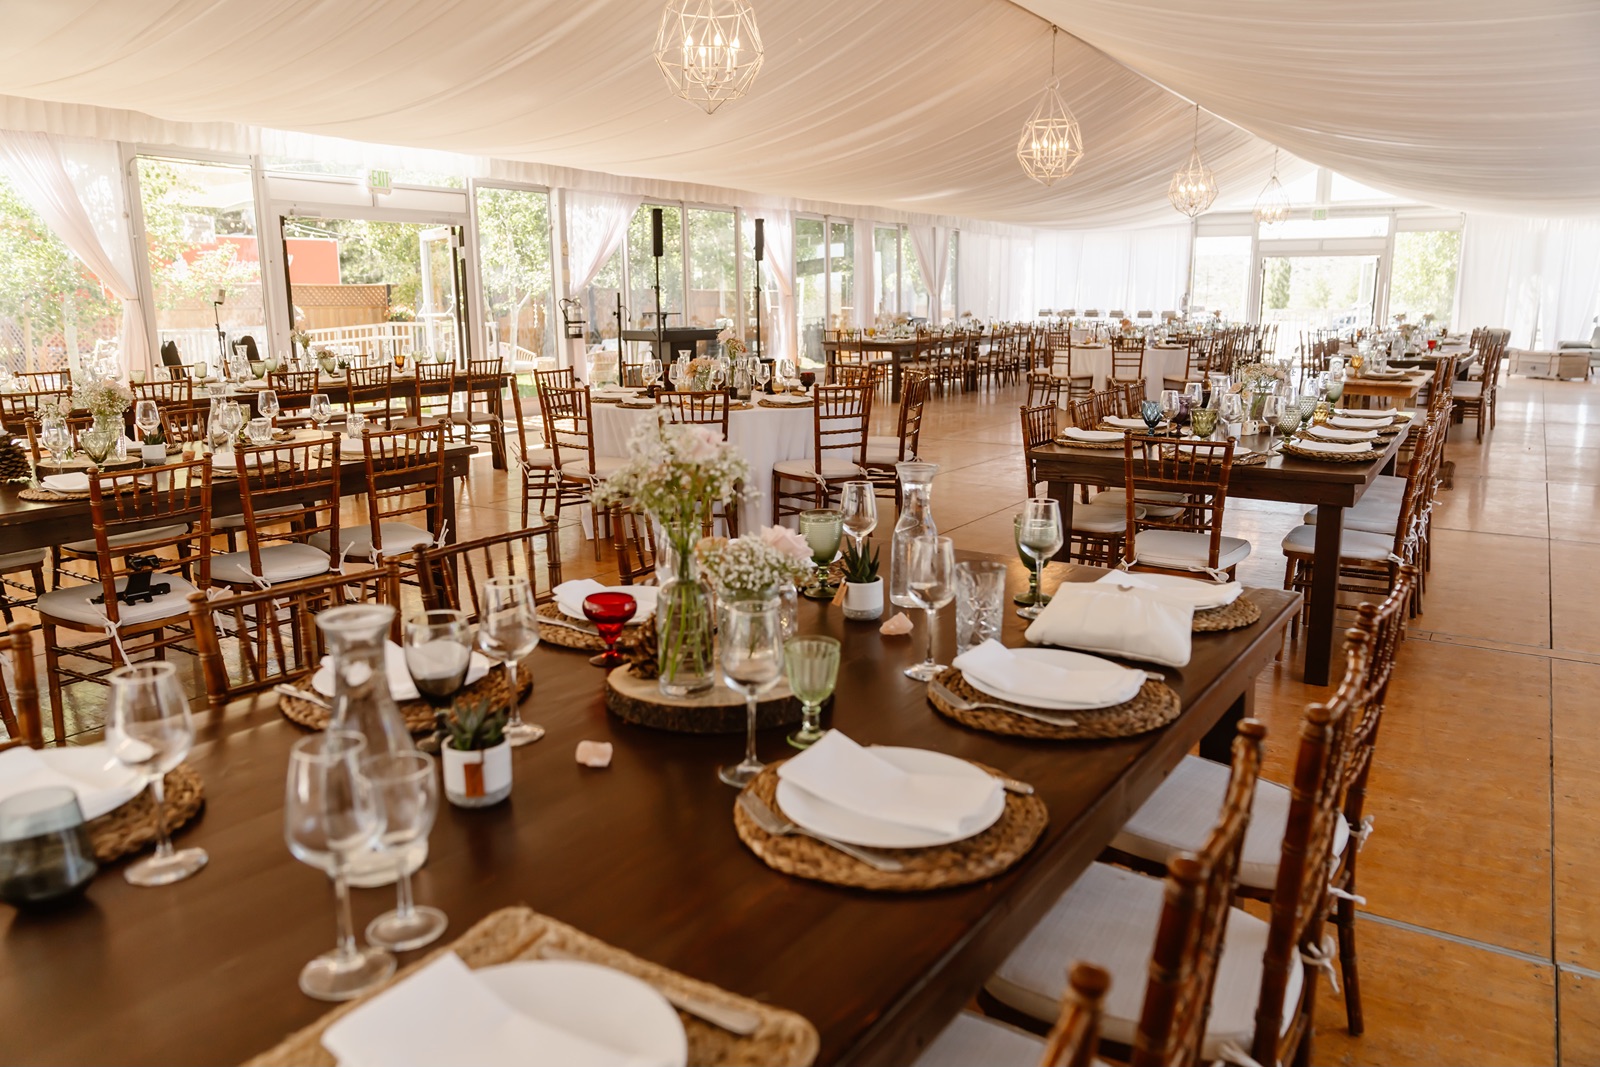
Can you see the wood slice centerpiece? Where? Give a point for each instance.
(719, 710)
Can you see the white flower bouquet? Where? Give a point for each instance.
(752, 564)
(103, 398)
(675, 473)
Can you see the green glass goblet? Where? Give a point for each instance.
(1204, 422)
(822, 528)
(812, 664)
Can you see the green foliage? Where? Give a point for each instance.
(860, 568)
(472, 728)
(1276, 288)
(174, 203)
(1424, 274)
(43, 285)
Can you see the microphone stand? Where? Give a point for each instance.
(660, 331)
(222, 338)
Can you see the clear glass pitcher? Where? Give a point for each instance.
(916, 520)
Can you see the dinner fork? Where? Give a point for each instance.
(775, 824)
(943, 693)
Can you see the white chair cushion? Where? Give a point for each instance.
(1386, 485)
(831, 468)
(18, 561)
(279, 563)
(151, 534)
(1181, 550)
(356, 542)
(886, 457)
(1180, 814)
(236, 522)
(539, 458)
(73, 604)
(1360, 545)
(474, 418)
(1094, 519)
(1110, 916)
(1372, 514)
(1469, 390)
(604, 467)
(890, 442)
(971, 1040)
(1118, 498)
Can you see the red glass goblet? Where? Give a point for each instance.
(609, 612)
(1433, 343)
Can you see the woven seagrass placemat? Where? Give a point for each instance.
(558, 629)
(1105, 446)
(132, 826)
(418, 714)
(1153, 706)
(231, 471)
(1331, 457)
(783, 1039)
(962, 863)
(1236, 616)
(770, 404)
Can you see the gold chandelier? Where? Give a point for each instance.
(1193, 187)
(709, 50)
(1272, 206)
(1050, 145)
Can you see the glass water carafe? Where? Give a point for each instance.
(916, 520)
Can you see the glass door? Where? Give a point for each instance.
(1305, 293)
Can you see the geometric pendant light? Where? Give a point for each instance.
(709, 50)
(1193, 187)
(1272, 206)
(1050, 145)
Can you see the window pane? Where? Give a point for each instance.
(916, 292)
(514, 264)
(810, 296)
(200, 224)
(1221, 276)
(713, 288)
(842, 274)
(642, 267)
(51, 308)
(1424, 274)
(600, 303)
(769, 290)
(947, 300)
(1302, 293)
(886, 252)
(1364, 226)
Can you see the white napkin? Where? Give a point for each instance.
(1336, 433)
(442, 1016)
(570, 596)
(1202, 593)
(1098, 436)
(1126, 424)
(1345, 422)
(787, 398)
(401, 687)
(1364, 413)
(74, 482)
(1144, 624)
(1028, 681)
(1334, 448)
(838, 770)
(102, 784)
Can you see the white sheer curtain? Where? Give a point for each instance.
(995, 276)
(597, 224)
(1107, 269)
(1539, 278)
(76, 187)
(779, 266)
(866, 274)
(932, 246)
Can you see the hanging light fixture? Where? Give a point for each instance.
(709, 50)
(1050, 145)
(1193, 187)
(1272, 206)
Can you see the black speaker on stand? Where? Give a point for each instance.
(657, 250)
(761, 254)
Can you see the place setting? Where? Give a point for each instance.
(589, 616)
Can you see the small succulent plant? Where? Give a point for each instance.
(474, 727)
(859, 567)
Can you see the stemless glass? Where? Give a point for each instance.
(1204, 422)
(751, 652)
(1271, 411)
(931, 582)
(146, 416)
(812, 663)
(1039, 536)
(148, 730)
(859, 505)
(508, 629)
(1150, 412)
(1289, 418)
(609, 612)
(267, 404)
(259, 431)
(330, 814)
(407, 797)
(980, 602)
(438, 651)
(321, 411)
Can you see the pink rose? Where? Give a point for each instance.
(786, 541)
(700, 444)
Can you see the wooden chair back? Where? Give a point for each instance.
(160, 512)
(913, 402)
(179, 391)
(370, 388)
(560, 378)
(1038, 429)
(273, 631)
(301, 475)
(1045, 389)
(453, 575)
(1194, 919)
(1127, 359)
(842, 417)
(295, 389)
(19, 701)
(634, 537)
(405, 479)
(708, 408)
(76, 426)
(568, 425)
(1128, 397)
(1075, 1037)
(185, 424)
(45, 381)
(1197, 471)
(17, 408)
(481, 383)
(433, 391)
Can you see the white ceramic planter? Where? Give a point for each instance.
(155, 455)
(478, 778)
(863, 601)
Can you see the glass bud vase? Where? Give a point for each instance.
(685, 628)
(357, 641)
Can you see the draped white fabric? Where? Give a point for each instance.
(994, 275)
(931, 245)
(1111, 269)
(597, 224)
(76, 188)
(866, 274)
(779, 264)
(1539, 278)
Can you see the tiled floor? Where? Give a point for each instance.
(1483, 939)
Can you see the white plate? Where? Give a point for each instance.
(66, 483)
(102, 784)
(1373, 413)
(1073, 433)
(1334, 433)
(853, 828)
(1131, 424)
(787, 399)
(1345, 422)
(596, 1003)
(401, 687)
(1333, 448)
(1056, 657)
(1386, 375)
(644, 598)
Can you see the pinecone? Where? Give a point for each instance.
(14, 466)
(640, 647)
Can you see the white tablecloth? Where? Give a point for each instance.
(1159, 364)
(764, 436)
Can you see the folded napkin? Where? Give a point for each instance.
(570, 597)
(1152, 625)
(1030, 681)
(1369, 413)
(1074, 433)
(1335, 433)
(1345, 422)
(1334, 448)
(1126, 424)
(841, 772)
(787, 398)
(401, 687)
(74, 482)
(444, 1017)
(102, 784)
(1202, 593)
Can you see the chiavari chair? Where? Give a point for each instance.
(1045, 389)
(289, 493)
(17, 408)
(1127, 360)
(569, 430)
(634, 538)
(180, 392)
(1477, 398)
(482, 385)
(433, 397)
(405, 499)
(1194, 366)
(559, 378)
(1163, 943)
(1097, 530)
(536, 461)
(19, 702)
(841, 421)
(884, 454)
(294, 389)
(185, 424)
(254, 639)
(45, 381)
(370, 390)
(1190, 479)
(706, 408)
(157, 522)
(978, 1039)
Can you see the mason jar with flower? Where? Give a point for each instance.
(763, 566)
(108, 401)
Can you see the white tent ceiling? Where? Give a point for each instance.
(911, 104)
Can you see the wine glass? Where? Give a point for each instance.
(750, 648)
(1039, 536)
(859, 504)
(931, 583)
(821, 528)
(1334, 387)
(321, 411)
(1203, 421)
(1030, 595)
(763, 375)
(675, 374)
(609, 612)
(812, 665)
(148, 730)
(267, 404)
(58, 440)
(330, 814)
(407, 796)
(652, 371)
(146, 416)
(1271, 410)
(1170, 406)
(438, 651)
(785, 371)
(1150, 412)
(508, 630)
(1289, 418)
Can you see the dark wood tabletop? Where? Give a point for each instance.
(643, 855)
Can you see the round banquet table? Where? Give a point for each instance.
(1160, 362)
(763, 436)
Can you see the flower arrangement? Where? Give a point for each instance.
(103, 398)
(733, 348)
(749, 564)
(301, 339)
(675, 472)
(402, 313)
